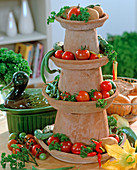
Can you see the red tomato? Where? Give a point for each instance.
(35, 148)
(76, 148)
(83, 96)
(93, 56)
(105, 94)
(64, 95)
(28, 136)
(58, 54)
(32, 141)
(68, 56)
(106, 86)
(15, 151)
(82, 54)
(13, 141)
(115, 136)
(97, 95)
(66, 146)
(52, 138)
(75, 11)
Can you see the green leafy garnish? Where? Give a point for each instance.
(84, 15)
(54, 146)
(71, 98)
(17, 161)
(84, 151)
(61, 13)
(91, 93)
(62, 137)
(101, 103)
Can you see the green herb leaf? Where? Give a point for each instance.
(101, 103)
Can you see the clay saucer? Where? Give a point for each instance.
(73, 158)
(80, 64)
(77, 107)
(82, 25)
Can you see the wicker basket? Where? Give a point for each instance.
(120, 107)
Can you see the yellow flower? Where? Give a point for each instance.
(126, 158)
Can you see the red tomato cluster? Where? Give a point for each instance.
(80, 55)
(29, 142)
(84, 96)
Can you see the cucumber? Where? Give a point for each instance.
(107, 77)
(131, 136)
(113, 84)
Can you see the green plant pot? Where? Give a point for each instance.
(28, 120)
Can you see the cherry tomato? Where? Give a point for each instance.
(82, 54)
(105, 94)
(13, 136)
(13, 141)
(68, 56)
(58, 54)
(42, 156)
(52, 138)
(83, 96)
(106, 86)
(93, 56)
(28, 136)
(22, 135)
(66, 146)
(115, 136)
(35, 148)
(15, 150)
(75, 11)
(64, 95)
(97, 95)
(30, 143)
(76, 148)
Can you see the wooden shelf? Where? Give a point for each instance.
(23, 38)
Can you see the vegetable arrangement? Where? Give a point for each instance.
(107, 89)
(81, 54)
(77, 13)
(10, 62)
(61, 142)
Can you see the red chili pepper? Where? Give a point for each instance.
(99, 159)
(98, 145)
(92, 154)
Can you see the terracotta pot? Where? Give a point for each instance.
(77, 75)
(81, 121)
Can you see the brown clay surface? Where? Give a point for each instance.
(80, 75)
(86, 39)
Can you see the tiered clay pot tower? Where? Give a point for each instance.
(80, 121)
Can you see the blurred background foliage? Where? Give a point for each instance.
(126, 47)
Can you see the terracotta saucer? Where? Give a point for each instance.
(80, 64)
(82, 25)
(73, 158)
(78, 107)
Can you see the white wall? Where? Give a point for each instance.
(122, 16)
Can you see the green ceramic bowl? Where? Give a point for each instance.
(28, 120)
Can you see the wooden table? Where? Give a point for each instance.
(50, 162)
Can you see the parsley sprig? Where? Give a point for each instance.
(84, 15)
(101, 103)
(17, 161)
(61, 13)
